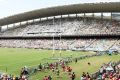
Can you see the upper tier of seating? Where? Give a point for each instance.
(66, 27)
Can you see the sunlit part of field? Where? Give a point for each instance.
(13, 59)
(80, 67)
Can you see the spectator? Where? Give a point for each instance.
(57, 72)
(45, 78)
(76, 60)
(40, 67)
(73, 76)
(49, 77)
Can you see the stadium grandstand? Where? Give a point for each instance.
(68, 27)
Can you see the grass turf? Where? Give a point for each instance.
(16, 58)
(80, 67)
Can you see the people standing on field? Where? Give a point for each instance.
(57, 72)
(73, 76)
(63, 67)
(45, 78)
(49, 77)
(40, 67)
(76, 60)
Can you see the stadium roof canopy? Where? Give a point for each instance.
(62, 10)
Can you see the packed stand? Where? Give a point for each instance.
(65, 27)
(64, 44)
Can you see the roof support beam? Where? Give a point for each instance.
(62, 10)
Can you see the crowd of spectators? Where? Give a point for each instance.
(66, 27)
(24, 73)
(4, 76)
(64, 44)
(55, 68)
(109, 71)
(85, 76)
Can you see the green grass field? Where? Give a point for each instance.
(15, 58)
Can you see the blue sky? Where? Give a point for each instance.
(11, 7)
